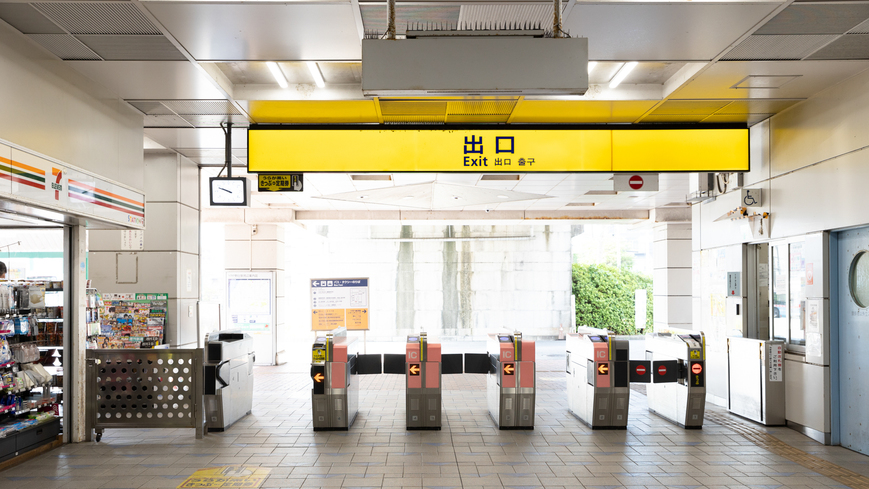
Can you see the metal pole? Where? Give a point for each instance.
(390, 19)
(557, 31)
(228, 133)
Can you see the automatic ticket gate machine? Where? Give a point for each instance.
(598, 380)
(678, 391)
(423, 375)
(511, 386)
(335, 395)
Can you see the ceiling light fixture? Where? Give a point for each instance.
(591, 66)
(623, 73)
(503, 197)
(276, 72)
(315, 72)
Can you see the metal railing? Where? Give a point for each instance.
(144, 389)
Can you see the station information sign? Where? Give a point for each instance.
(297, 149)
(339, 303)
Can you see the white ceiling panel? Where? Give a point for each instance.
(159, 80)
(663, 31)
(810, 78)
(262, 31)
(210, 138)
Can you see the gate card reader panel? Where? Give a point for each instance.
(334, 393)
(678, 392)
(511, 380)
(598, 390)
(423, 396)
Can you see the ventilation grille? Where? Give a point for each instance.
(819, 18)
(64, 46)
(690, 107)
(186, 113)
(852, 46)
(446, 111)
(413, 108)
(139, 48)
(863, 28)
(115, 18)
(500, 14)
(374, 16)
(757, 48)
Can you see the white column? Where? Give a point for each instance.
(261, 248)
(672, 275)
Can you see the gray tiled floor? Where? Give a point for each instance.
(468, 453)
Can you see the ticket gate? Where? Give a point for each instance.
(510, 383)
(598, 387)
(335, 395)
(678, 391)
(423, 382)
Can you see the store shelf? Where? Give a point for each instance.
(54, 290)
(49, 320)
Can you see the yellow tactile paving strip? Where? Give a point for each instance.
(782, 449)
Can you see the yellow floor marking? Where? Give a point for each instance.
(778, 447)
(230, 476)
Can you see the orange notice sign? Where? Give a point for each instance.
(357, 319)
(327, 319)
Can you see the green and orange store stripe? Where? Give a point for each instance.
(93, 195)
(20, 173)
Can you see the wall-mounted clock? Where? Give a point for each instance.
(229, 191)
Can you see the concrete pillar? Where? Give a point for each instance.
(672, 275)
(168, 262)
(76, 339)
(260, 248)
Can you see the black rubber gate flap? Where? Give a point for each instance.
(665, 371)
(369, 364)
(476, 363)
(393, 363)
(451, 363)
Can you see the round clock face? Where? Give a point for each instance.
(226, 191)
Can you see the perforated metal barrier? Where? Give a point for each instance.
(144, 389)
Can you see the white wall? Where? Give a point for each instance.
(812, 162)
(52, 109)
(171, 243)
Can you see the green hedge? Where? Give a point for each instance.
(605, 297)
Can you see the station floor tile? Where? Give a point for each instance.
(469, 452)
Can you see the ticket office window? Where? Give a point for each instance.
(789, 294)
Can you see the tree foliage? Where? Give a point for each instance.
(605, 297)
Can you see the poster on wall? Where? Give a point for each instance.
(339, 303)
(251, 300)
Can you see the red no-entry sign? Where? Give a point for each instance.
(636, 182)
(641, 370)
(662, 370)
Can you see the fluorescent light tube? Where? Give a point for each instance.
(623, 73)
(276, 72)
(315, 72)
(591, 66)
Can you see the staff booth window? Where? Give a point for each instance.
(789, 294)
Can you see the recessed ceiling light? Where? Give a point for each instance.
(409, 197)
(581, 204)
(315, 72)
(591, 66)
(623, 73)
(601, 192)
(276, 72)
(503, 197)
(370, 177)
(500, 177)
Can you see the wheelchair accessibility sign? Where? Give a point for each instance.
(751, 197)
